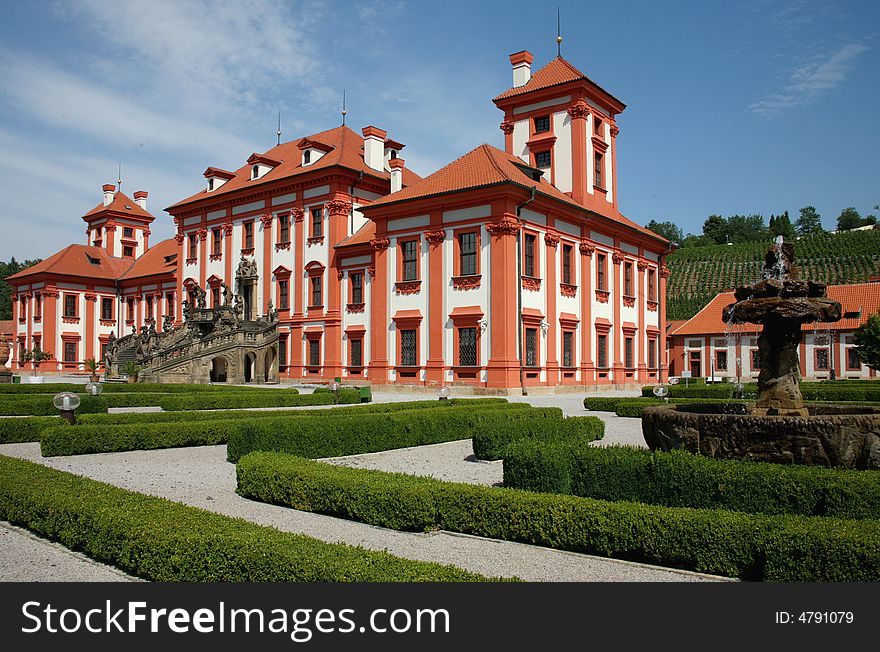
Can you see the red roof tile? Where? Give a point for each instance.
(864, 297)
(121, 204)
(7, 327)
(363, 235)
(558, 71)
(161, 258)
(78, 260)
(346, 149)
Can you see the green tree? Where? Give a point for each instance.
(715, 228)
(691, 240)
(809, 221)
(867, 340)
(746, 228)
(8, 269)
(668, 230)
(782, 226)
(850, 218)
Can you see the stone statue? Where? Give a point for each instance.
(227, 295)
(167, 323)
(187, 315)
(272, 313)
(200, 296)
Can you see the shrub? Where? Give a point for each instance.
(682, 479)
(41, 405)
(778, 548)
(27, 429)
(491, 443)
(602, 403)
(167, 542)
(222, 400)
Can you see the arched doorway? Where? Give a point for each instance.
(219, 370)
(269, 366)
(250, 362)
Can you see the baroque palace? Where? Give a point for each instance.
(502, 269)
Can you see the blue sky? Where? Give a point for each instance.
(758, 106)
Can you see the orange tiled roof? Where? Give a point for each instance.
(76, 260)
(154, 261)
(674, 324)
(487, 166)
(852, 298)
(346, 149)
(558, 71)
(121, 204)
(363, 235)
(7, 327)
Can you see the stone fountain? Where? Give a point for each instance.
(778, 427)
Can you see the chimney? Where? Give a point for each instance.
(374, 147)
(109, 191)
(140, 198)
(522, 67)
(396, 165)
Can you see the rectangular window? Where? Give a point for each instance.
(104, 347)
(756, 359)
(720, 360)
(531, 347)
(130, 312)
(822, 359)
(598, 171)
(652, 284)
(317, 222)
(529, 255)
(410, 260)
(70, 352)
(652, 354)
(283, 228)
(602, 351)
(106, 308)
(70, 305)
(37, 340)
(38, 306)
(628, 279)
(467, 347)
(357, 287)
(542, 160)
(568, 349)
(317, 299)
(127, 232)
(408, 348)
(248, 235)
(216, 241)
(283, 294)
(566, 264)
(150, 307)
(128, 252)
(468, 254)
(215, 297)
(314, 352)
(169, 303)
(542, 124)
(191, 239)
(601, 267)
(853, 362)
(597, 126)
(628, 361)
(282, 351)
(356, 354)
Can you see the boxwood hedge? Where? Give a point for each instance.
(735, 544)
(136, 388)
(164, 541)
(682, 479)
(490, 444)
(862, 391)
(25, 429)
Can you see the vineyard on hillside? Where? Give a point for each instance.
(699, 273)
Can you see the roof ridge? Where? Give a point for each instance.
(492, 160)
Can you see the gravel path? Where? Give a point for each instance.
(201, 477)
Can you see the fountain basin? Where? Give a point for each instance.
(832, 436)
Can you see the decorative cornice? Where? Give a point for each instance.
(435, 237)
(355, 307)
(551, 239)
(267, 220)
(214, 257)
(371, 271)
(203, 234)
(147, 232)
(614, 131)
(180, 238)
(249, 251)
(507, 127)
(586, 249)
(338, 207)
(407, 287)
(70, 320)
(49, 291)
(664, 272)
(568, 290)
(471, 282)
(599, 143)
(602, 296)
(652, 305)
(579, 110)
(617, 257)
(90, 296)
(629, 302)
(227, 228)
(642, 265)
(533, 284)
(297, 214)
(279, 246)
(507, 225)
(380, 243)
(315, 240)
(192, 261)
(110, 225)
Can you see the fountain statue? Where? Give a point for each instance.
(778, 427)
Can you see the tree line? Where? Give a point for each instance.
(8, 269)
(752, 228)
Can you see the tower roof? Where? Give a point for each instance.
(121, 204)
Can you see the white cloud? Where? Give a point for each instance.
(809, 81)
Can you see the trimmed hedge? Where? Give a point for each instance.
(26, 429)
(490, 444)
(369, 433)
(863, 391)
(753, 547)
(682, 479)
(164, 541)
(206, 429)
(136, 388)
(42, 406)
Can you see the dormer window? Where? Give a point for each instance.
(393, 154)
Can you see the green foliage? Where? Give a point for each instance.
(163, 541)
(838, 391)
(850, 218)
(867, 340)
(131, 368)
(698, 273)
(16, 431)
(782, 226)
(490, 444)
(668, 230)
(6, 270)
(809, 222)
(682, 479)
(754, 547)
(140, 388)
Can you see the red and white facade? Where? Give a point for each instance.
(503, 269)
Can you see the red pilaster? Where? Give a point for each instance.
(227, 253)
(551, 242)
(434, 370)
(203, 254)
(296, 329)
(642, 340)
(614, 132)
(503, 367)
(378, 371)
(89, 319)
(617, 259)
(266, 221)
(661, 299)
(579, 112)
(338, 211)
(50, 321)
(588, 369)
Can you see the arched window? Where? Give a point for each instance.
(393, 154)
(255, 172)
(307, 157)
(210, 184)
